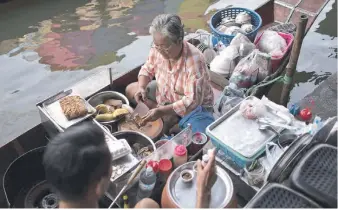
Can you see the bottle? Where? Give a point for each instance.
(180, 155)
(205, 159)
(125, 202)
(147, 183)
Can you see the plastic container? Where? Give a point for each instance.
(180, 155)
(165, 167)
(146, 184)
(216, 19)
(161, 142)
(119, 148)
(275, 60)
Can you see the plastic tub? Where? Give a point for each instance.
(275, 60)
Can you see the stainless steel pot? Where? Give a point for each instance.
(133, 137)
(99, 98)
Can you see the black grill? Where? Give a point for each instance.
(279, 196)
(316, 175)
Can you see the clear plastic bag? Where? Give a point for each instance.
(244, 45)
(273, 153)
(271, 43)
(251, 69)
(252, 109)
(229, 99)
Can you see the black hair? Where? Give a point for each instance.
(75, 159)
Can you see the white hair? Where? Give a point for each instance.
(169, 25)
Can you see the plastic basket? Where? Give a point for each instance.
(275, 60)
(237, 158)
(216, 19)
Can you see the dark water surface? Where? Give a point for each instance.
(47, 46)
(318, 57)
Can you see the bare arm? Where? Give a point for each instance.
(143, 81)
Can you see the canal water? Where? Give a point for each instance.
(47, 46)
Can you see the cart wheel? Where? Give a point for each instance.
(41, 196)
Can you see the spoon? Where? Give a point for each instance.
(268, 127)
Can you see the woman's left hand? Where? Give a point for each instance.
(151, 116)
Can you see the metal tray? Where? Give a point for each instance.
(242, 135)
(184, 194)
(53, 109)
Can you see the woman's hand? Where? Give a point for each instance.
(140, 95)
(205, 181)
(151, 116)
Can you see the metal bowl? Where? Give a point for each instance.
(99, 98)
(133, 137)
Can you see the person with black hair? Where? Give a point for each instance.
(78, 165)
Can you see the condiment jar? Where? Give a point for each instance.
(180, 155)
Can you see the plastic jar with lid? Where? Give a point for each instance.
(180, 155)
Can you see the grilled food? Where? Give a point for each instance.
(73, 107)
(138, 120)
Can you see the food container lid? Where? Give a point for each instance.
(154, 165)
(165, 165)
(183, 194)
(180, 150)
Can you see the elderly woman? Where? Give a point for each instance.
(181, 90)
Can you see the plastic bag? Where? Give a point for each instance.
(230, 97)
(271, 43)
(251, 69)
(225, 63)
(273, 153)
(244, 44)
(252, 109)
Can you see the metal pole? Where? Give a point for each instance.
(111, 78)
(291, 67)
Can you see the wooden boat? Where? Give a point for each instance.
(101, 81)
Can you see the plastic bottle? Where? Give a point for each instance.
(180, 155)
(205, 159)
(146, 184)
(125, 202)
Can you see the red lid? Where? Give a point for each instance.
(154, 165)
(305, 114)
(180, 150)
(165, 165)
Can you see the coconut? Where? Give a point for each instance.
(247, 28)
(233, 30)
(243, 18)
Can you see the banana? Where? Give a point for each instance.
(104, 117)
(102, 109)
(119, 112)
